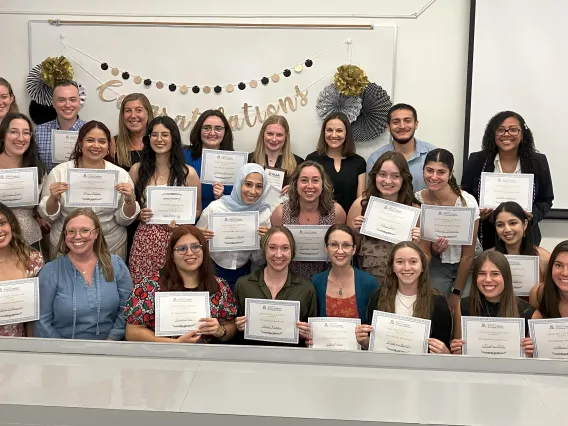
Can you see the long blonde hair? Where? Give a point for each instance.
(124, 136)
(100, 246)
(288, 160)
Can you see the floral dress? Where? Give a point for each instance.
(148, 252)
(140, 306)
(306, 270)
(34, 266)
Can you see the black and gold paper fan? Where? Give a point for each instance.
(372, 120)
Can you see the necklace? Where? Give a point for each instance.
(403, 304)
(310, 217)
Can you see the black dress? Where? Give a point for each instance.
(346, 180)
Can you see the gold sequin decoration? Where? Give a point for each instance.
(253, 84)
(137, 79)
(298, 68)
(114, 71)
(159, 85)
(183, 89)
(276, 78)
(206, 90)
(230, 88)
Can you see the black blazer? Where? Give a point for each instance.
(441, 325)
(542, 198)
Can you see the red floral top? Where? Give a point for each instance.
(35, 265)
(341, 308)
(139, 308)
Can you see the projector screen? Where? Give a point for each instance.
(518, 62)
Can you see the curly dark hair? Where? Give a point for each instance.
(178, 170)
(526, 147)
(195, 142)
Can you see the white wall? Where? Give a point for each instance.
(431, 64)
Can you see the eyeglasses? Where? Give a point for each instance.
(183, 249)
(15, 133)
(513, 131)
(335, 246)
(83, 232)
(164, 135)
(208, 129)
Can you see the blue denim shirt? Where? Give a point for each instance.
(71, 309)
(415, 162)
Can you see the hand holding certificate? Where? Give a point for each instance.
(334, 333)
(389, 221)
(456, 224)
(272, 320)
(234, 231)
(525, 271)
(550, 337)
(497, 188)
(169, 203)
(493, 337)
(92, 188)
(179, 312)
(62, 144)
(19, 301)
(310, 243)
(221, 166)
(399, 334)
(18, 187)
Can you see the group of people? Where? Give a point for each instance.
(105, 265)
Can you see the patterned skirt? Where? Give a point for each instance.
(148, 252)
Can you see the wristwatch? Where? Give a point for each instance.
(457, 291)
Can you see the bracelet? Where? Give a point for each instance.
(224, 331)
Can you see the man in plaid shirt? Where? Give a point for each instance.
(67, 103)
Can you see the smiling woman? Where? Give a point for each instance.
(8, 102)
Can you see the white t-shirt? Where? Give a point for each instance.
(404, 305)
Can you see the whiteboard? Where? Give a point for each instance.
(211, 56)
(519, 64)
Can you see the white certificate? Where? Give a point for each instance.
(169, 203)
(399, 334)
(178, 312)
(221, 166)
(456, 224)
(19, 301)
(18, 187)
(493, 337)
(496, 188)
(310, 243)
(525, 271)
(272, 320)
(273, 198)
(334, 333)
(276, 177)
(92, 188)
(389, 221)
(550, 337)
(234, 231)
(62, 144)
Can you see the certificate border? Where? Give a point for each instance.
(311, 259)
(158, 296)
(356, 321)
(387, 238)
(425, 207)
(536, 270)
(220, 152)
(226, 214)
(278, 170)
(543, 321)
(35, 316)
(485, 175)
(158, 188)
(34, 172)
(426, 322)
(52, 145)
(294, 303)
(465, 319)
(69, 203)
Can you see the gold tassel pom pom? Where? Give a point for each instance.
(56, 69)
(350, 80)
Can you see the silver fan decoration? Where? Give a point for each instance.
(372, 121)
(38, 89)
(330, 100)
(82, 93)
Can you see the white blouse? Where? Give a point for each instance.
(453, 253)
(404, 305)
(113, 220)
(232, 259)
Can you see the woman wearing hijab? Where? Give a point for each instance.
(247, 196)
